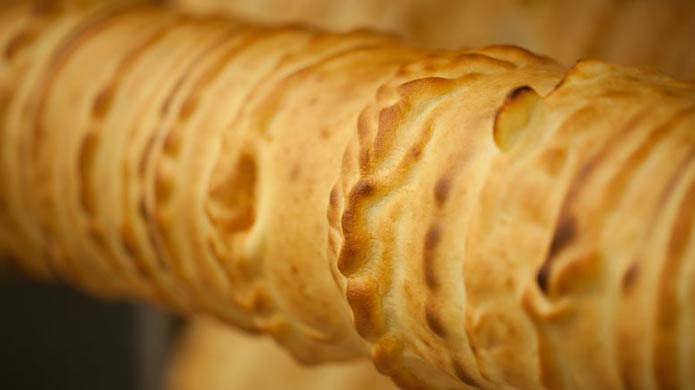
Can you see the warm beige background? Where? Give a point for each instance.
(213, 356)
(630, 32)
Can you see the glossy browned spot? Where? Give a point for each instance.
(389, 118)
(262, 302)
(143, 271)
(518, 91)
(386, 354)
(406, 380)
(163, 187)
(464, 376)
(295, 172)
(553, 161)
(325, 133)
(362, 188)
(277, 327)
(416, 152)
(349, 258)
(411, 87)
(441, 190)
(235, 198)
(565, 233)
(18, 42)
(128, 240)
(630, 277)
(432, 239)
(86, 159)
(363, 297)
(188, 107)
(102, 102)
(434, 321)
(142, 209)
(172, 142)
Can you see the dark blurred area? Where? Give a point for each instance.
(54, 337)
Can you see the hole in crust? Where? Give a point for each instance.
(513, 116)
(231, 206)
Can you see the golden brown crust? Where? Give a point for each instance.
(568, 266)
(412, 110)
(471, 219)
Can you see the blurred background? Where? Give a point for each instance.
(53, 337)
(56, 338)
(652, 33)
